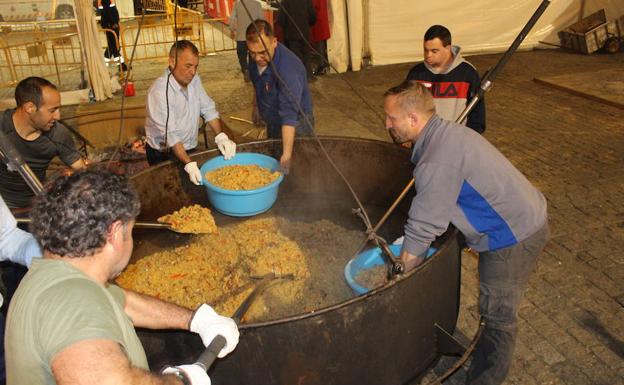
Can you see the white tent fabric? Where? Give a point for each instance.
(338, 44)
(89, 39)
(395, 27)
(125, 8)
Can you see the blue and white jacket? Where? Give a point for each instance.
(461, 178)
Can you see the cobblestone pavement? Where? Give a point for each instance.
(572, 149)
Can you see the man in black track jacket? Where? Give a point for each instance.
(452, 80)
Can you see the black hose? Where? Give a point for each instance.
(13, 158)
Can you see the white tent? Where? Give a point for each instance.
(391, 31)
(90, 42)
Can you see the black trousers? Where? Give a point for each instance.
(241, 52)
(113, 50)
(302, 50)
(155, 156)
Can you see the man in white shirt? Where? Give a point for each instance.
(16, 246)
(174, 103)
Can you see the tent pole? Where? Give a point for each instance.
(346, 4)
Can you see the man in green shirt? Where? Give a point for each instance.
(67, 323)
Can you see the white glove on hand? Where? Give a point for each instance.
(11, 167)
(194, 374)
(398, 241)
(225, 145)
(208, 324)
(194, 173)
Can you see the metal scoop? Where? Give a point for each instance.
(209, 355)
(168, 226)
(140, 225)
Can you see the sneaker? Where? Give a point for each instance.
(321, 70)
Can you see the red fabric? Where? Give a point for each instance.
(278, 32)
(320, 30)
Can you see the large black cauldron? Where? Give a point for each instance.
(386, 337)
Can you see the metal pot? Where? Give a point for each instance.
(388, 336)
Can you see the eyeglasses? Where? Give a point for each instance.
(256, 54)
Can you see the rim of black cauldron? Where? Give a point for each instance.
(387, 336)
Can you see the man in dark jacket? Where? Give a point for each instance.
(295, 18)
(319, 35)
(281, 94)
(109, 19)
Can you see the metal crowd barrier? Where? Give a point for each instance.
(158, 33)
(37, 49)
(52, 49)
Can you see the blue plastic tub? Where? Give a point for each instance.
(242, 203)
(367, 260)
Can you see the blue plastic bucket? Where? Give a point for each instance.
(367, 260)
(242, 203)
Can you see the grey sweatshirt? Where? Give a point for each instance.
(239, 20)
(462, 179)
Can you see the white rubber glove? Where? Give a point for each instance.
(190, 374)
(398, 241)
(208, 324)
(225, 145)
(194, 173)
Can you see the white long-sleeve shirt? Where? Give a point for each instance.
(186, 105)
(16, 245)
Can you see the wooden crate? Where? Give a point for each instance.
(590, 33)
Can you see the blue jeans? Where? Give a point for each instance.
(503, 276)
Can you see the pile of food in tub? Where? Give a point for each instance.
(241, 177)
